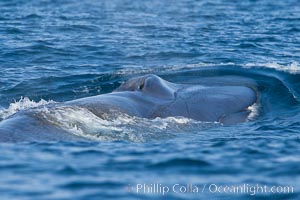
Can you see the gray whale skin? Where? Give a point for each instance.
(147, 96)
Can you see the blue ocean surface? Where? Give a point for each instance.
(55, 51)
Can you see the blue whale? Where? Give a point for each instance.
(147, 96)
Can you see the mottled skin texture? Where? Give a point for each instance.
(147, 97)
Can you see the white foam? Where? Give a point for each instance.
(293, 67)
(23, 104)
(82, 122)
(254, 111)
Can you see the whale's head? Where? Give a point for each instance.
(224, 103)
(151, 85)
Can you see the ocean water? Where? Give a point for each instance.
(55, 51)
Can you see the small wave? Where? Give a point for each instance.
(166, 69)
(23, 104)
(181, 162)
(32, 16)
(292, 68)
